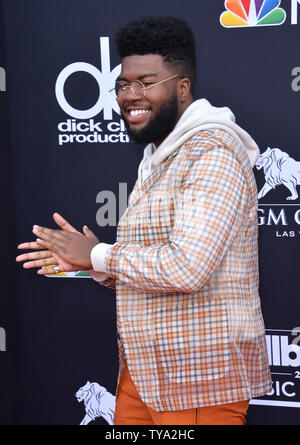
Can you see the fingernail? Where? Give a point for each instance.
(36, 228)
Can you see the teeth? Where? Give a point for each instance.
(137, 112)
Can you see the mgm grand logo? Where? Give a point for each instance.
(281, 173)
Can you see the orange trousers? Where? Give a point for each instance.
(131, 410)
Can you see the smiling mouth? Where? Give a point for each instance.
(136, 115)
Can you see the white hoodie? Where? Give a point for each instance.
(200, 115)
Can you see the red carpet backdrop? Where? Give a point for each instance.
(65, 149)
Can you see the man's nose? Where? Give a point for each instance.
(131, 94)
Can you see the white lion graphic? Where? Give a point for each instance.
(279, 169)
(98, 402)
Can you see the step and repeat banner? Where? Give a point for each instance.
(9, 341)
(65, 149)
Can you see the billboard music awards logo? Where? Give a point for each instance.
(281, 174)
(82, 125)
(2, 79)
(284, 359)
(2, 340)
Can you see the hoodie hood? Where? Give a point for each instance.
(200, 115)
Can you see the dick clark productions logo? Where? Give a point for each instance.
(82, 127)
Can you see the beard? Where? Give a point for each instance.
(159, 126)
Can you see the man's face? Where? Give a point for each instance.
(152, 117)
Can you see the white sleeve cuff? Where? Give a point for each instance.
(98, 256)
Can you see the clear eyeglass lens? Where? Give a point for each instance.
(136, 87)
(118, 87)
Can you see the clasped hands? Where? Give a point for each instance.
(65, 248)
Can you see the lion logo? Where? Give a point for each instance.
(279, 169)
(98, 402)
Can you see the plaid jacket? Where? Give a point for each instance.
(185, 266)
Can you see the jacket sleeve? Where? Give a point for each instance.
(103, 279)
(211, 208)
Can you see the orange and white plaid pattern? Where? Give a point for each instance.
(185, 266)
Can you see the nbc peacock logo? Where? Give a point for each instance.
(245, 13)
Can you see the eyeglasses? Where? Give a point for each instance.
(137, 87)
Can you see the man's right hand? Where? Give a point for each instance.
(43, 257)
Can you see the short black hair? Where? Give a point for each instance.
(170, 37)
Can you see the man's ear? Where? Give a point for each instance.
(184, 89)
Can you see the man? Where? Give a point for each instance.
(190, 330)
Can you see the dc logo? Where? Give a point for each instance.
(105, 79)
